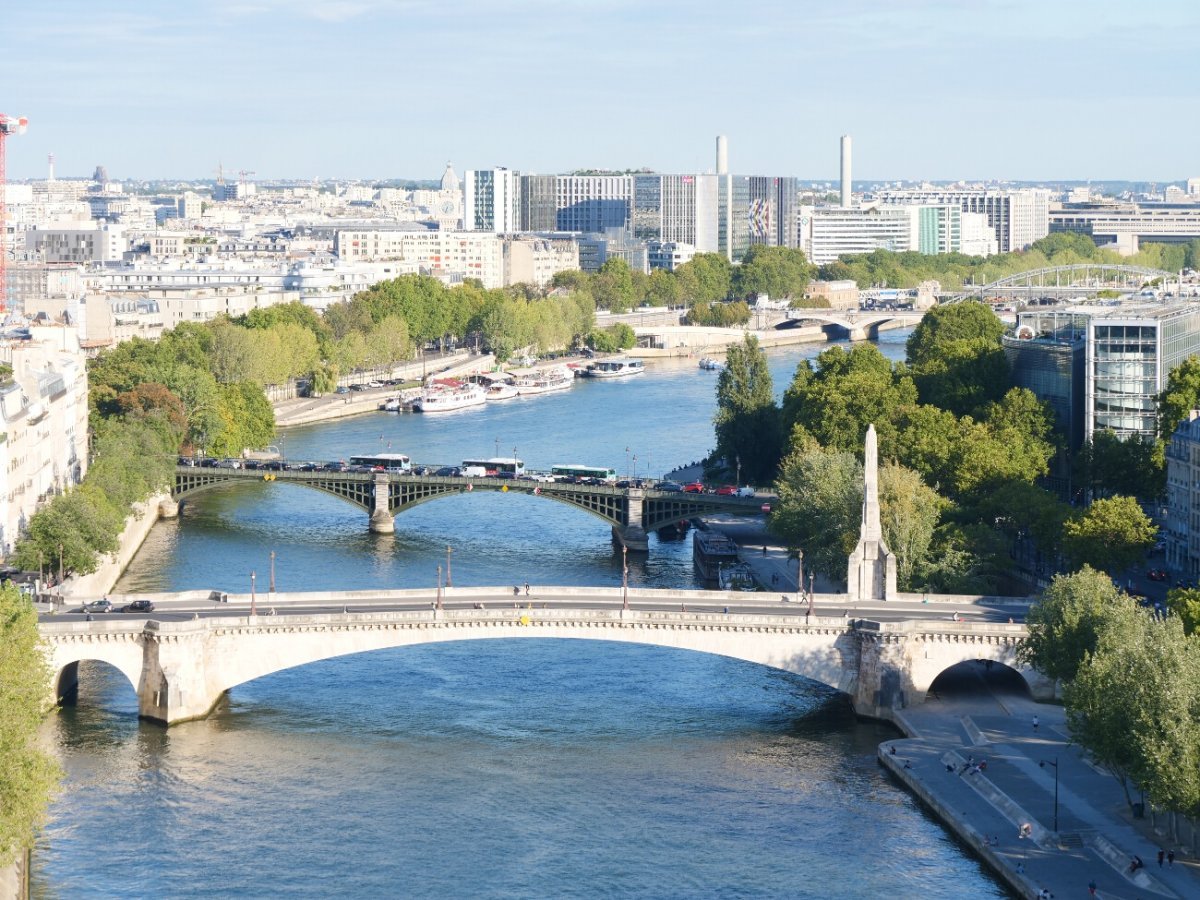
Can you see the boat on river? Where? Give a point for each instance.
(712, 551)
(736, 577)
(392, 404)
(711, 365)
(544, 381)
(447, 396)
(501, 390)
(615, 368)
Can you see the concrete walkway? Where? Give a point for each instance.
(1096, 836)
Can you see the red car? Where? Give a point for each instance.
(726, 490)
(696, 487)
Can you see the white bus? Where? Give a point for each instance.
(570, 472)
(384, 462)
(496, 467)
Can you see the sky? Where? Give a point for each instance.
(375, 89)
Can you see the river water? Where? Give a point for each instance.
(489, 768)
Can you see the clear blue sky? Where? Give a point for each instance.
(938, 89)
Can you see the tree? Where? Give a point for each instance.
(1064, 625)
(29, 777)
(1107, 465)
(945, 326)
(705, 278)
(613, 285)
(909, 511)
(719, 314)
(1180, 397)
(956, 358)
(747, 419)
(1185, 603)
(820, 506)
(1113, 534)
(779, 272)
(663, 289)
(76, 528)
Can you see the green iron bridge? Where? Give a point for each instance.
(632, 512)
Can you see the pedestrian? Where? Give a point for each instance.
(774, 578)
(1170, 858)
(764, 549)
(1035, 723)
(89, 617)
(527, 589)
(1092, 887)
(1161, 856)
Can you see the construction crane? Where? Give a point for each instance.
(8, 125)
(243, 173)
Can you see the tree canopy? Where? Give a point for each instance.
(747, 419)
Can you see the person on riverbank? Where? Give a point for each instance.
(1035, 723)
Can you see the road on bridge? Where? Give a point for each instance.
(998, 611)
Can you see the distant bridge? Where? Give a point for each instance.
(181, 669)
(632, 512)
(857, 324)
(1061, 281)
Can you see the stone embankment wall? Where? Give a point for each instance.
(14, 879)
(137, 526)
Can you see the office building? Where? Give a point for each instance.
(592, 203)
(668, 255)
(827, 232)
(99, 243)
(1127, 224)
(1017, 218)
(491, 200)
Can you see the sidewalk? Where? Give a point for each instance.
(1095, 838)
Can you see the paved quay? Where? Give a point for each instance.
(977, 716)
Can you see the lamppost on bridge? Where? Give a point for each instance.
(624, 577)
(626, 460)
(272, 585)
(1042, 764)
(738, 477)
(635, 465)
(497, 447)
(449, 581)
(439, 587)
(253, 599)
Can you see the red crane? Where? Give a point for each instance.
(8, 125)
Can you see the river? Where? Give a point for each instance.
(501, 769)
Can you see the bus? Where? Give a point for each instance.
(384, 462)
(496, 467)
(572, 472)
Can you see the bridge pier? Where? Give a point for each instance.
(382, 521)
(174, 682)
(632, 535)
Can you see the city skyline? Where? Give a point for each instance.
(1004, 91)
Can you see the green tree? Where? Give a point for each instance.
(1112, 534)
(1181, 396)
(719, 314)
(663, 289)
(1064, 625)
(909, 511)
(705, 278)
(956, 358)
(820, 506)
(1107, 465)
(1185, 603)
(780, 272)
(747, 419)
(29, 778)
(76, 528)
(613, 285)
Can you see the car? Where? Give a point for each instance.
(305, 467)
(334, 467)
(208, 462)
(342, 389)
(272, 465)
(358, 387)
(190, 461)
(143, 606)
(98, 606)
(448, 472)
(374, 384)
(505, 475)
(671, 487)
(1157, 575)
(727, 490)
(694, 487)
(229, 464)
(746, 491)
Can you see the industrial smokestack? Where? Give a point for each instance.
(50, 160)
(722, 155)
(846, 170)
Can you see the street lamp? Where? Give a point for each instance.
(626, 460)
(1042, 764)
(439, 587)
(60, 565)
(635, 466)
(624, 577)
(497, 447)
(449, 550)
(272, 571)
(253, 606)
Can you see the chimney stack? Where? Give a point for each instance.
(722, 155)
(846, 179)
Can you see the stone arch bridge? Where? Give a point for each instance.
(631, 512)
(181, 669)
(855, 324)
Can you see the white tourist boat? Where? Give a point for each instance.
(447, 397)
(544, 381)
(736, 576)
(501, 390)
(615, 368)
(392, 404)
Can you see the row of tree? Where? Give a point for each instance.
(1131, 685)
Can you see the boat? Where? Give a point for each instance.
(711, 550)
(615, 368)
(501, 390)
(736, 577)
(711, 365)
(392, 404)
(447, 396)
(544, 381)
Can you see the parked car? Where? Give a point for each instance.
(98, 606)
(673, 487)
(342, 389)
(746, 491)
(448, 472)
(142, 606)
(727, 490)
(229, 464)
(1157, 575)
(188, 461)
(694, 487)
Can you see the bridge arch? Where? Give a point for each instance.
(1064, 278)
(120, 649)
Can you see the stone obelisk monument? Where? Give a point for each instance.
(871, 574)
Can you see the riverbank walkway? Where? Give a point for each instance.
(991, 807)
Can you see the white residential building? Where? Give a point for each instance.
(535, 260)
(827, 232)
(669, 255)
(99, 243)
(1018, 218)
(491, 200)
(43, 425)
(977, 237)
(451, 255)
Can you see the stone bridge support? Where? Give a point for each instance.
(633, 535)
(382, 521)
